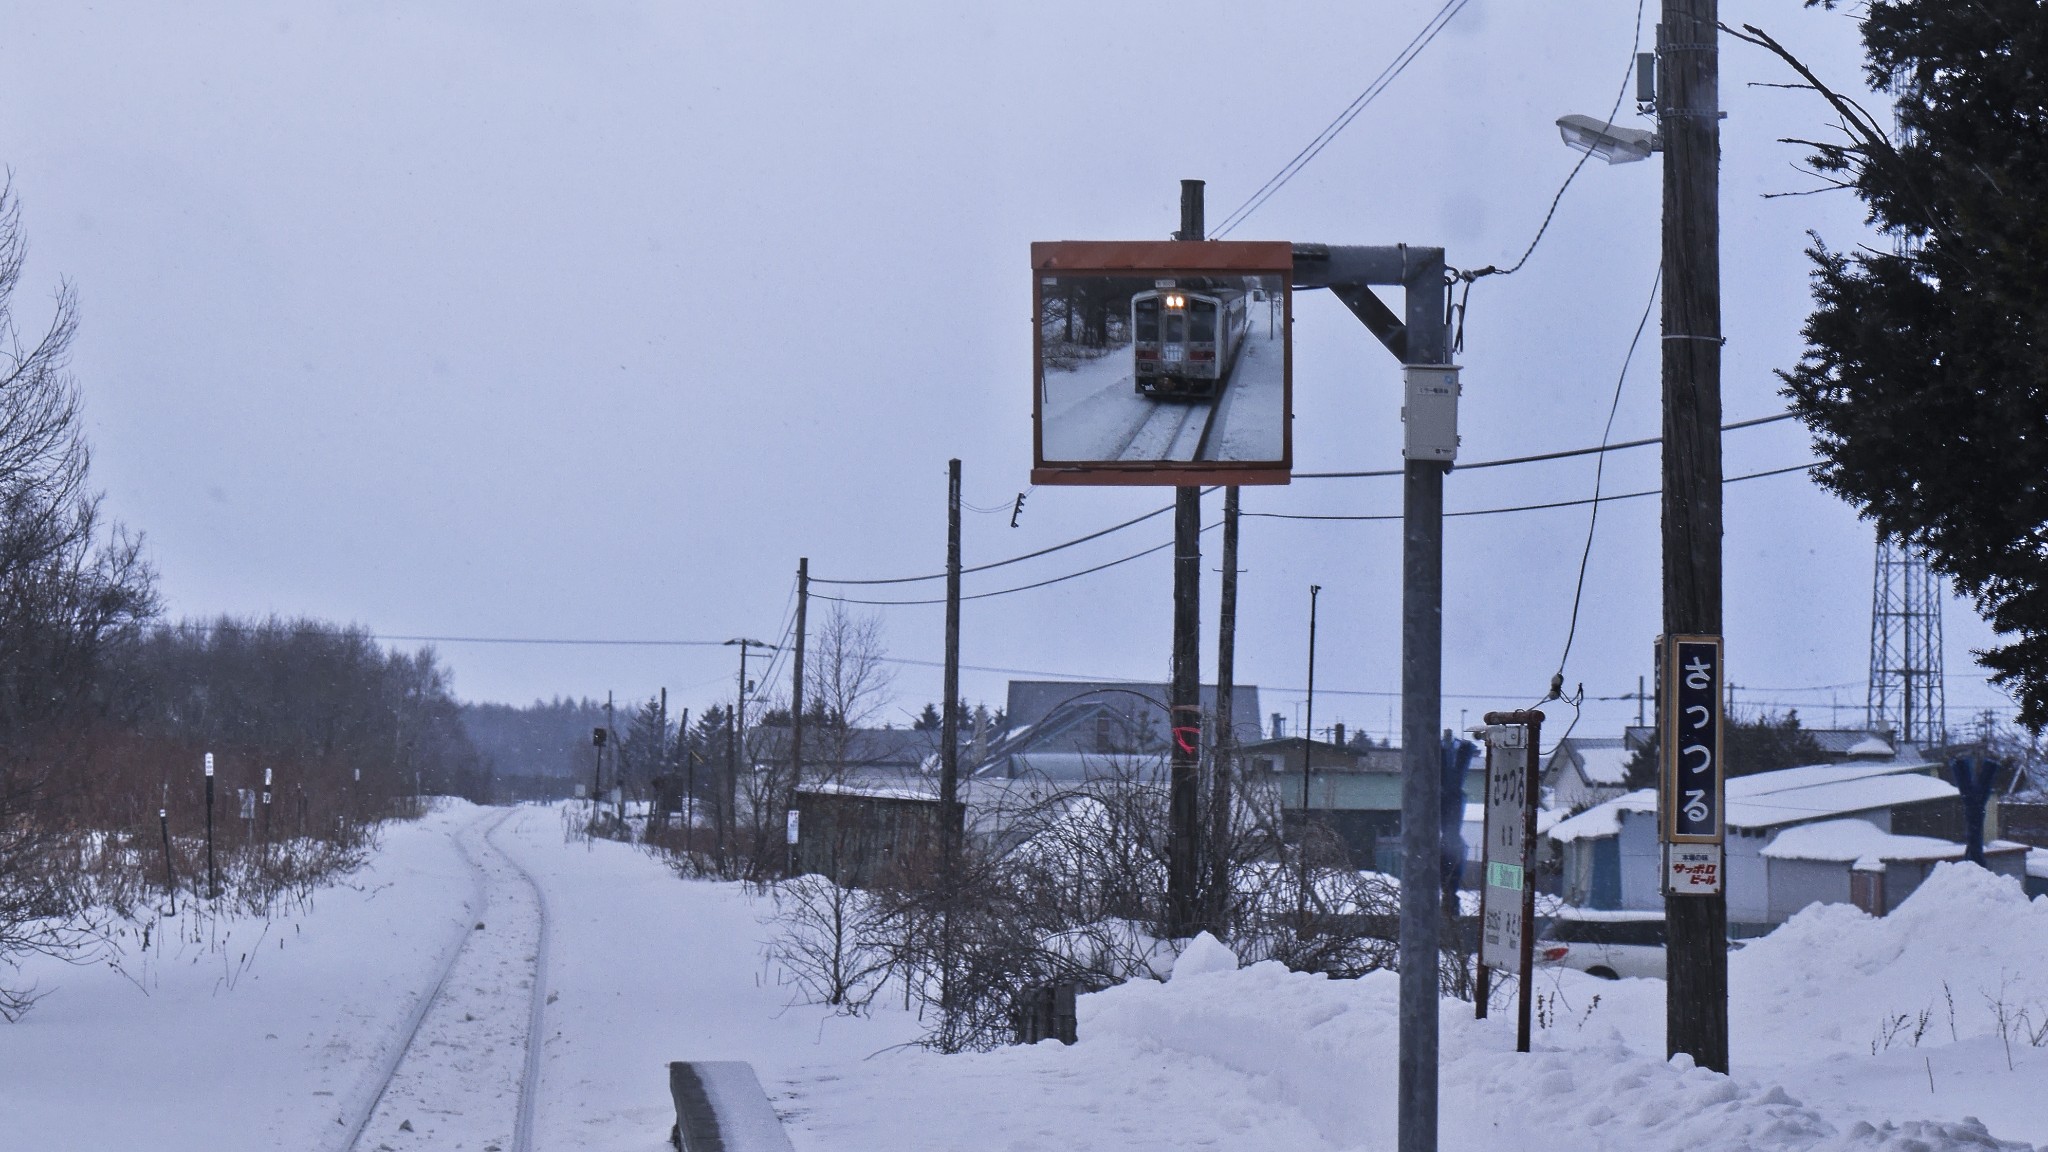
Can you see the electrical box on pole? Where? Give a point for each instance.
(1430, 412)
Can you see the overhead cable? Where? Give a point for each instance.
(1530, 507)
(1278, 180)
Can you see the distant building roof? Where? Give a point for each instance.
(1031, 701)
(1604, 819)
(1864, 844)
(1787, 796)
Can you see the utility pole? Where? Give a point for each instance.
(597, 736)
(1223, 744)
(1308, 737)
(1419, 338)
(949, 722)
(1688, 113)
(735, 738)
(796, 680)
(1185, 697)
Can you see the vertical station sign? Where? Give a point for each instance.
(1695, 773)
(1507, 901)
(1502, 925)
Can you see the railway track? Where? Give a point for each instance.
(466, 1071)
(1174, 431)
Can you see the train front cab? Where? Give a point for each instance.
(1174, 344)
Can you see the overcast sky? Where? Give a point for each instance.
(520, 320)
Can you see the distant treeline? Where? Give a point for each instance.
(539, 751)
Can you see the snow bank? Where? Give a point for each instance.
(1832, 974)
(1262, 1058)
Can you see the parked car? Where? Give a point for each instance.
(1607, 944)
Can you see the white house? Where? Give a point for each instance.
(1611, 857)
(1588, 770)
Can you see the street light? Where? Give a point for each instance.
(1610, 142)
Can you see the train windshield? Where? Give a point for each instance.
(1176, 328)
(1147, 312)
(1202, 322)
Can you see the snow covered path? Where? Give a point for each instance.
(462, 1077)
(647, 968)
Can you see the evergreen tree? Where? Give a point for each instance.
(1925, 378)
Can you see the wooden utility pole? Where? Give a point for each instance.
(796, 680)
(1223, 744)
(1308, 748)
(949, 722)
(1688, 112)
(1184, 698)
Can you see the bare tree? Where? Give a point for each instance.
(846, 685)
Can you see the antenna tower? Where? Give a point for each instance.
(1906, 697)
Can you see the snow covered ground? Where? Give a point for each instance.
(1848, 1032)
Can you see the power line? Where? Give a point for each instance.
(1600, 471)
(548, 640)
(1635, 42)
(1018, 588)
(1165, 508)
(1534, 507)
(1290, 516)
(1012, 560)
(1358, 104)
(1567, 453)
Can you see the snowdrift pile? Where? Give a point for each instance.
(1259, 1057)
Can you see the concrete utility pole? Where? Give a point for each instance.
(1184, 700)
(1418, 337)
(1688, 113)
(1223, 743)
(949, 722)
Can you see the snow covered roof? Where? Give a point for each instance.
(1809, 775)
(1605, 765)
(1787, 796)
(1856, 841)
(1871, 746)
(1777, 806)
(1604, 819)
(875, 791)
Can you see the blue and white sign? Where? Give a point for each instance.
(1694, 774)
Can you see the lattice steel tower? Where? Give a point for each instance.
(1906, 695)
